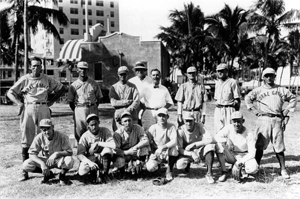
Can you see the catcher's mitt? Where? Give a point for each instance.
(237, 173)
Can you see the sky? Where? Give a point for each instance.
(144, 17)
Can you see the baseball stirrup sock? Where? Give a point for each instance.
(25, 154)
(171, 162)
(106, 159)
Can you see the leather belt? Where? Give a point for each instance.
(36, 102)
(224, 106)
(271, 115)
(152, 108)
(85, 105)
(190, 110)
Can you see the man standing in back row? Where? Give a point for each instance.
(155, 96)
(84, 98)
(34, 88)
(141, 80)
(123, 97)
(191, 98)
(270, 99)
(227, 96)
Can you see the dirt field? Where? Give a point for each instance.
(268, 183)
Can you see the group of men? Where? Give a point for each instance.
(142, 138)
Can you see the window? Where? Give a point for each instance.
(101, 22)
(50, 72)
(90, 2)
(89, 12)
(90, 22)
(60, 1)
(99, 3)
(61, 31)
(83, 11)
(61, 9)
(100, 13)
(8, 74)
(112, 4)
(63, 73)
(74, 21)
(62, 41)
(73, 10)
(74, 1)
(98, 71)
(112, 24)
(74, 31)
(83, 21)
(112, 14)
(83, 31)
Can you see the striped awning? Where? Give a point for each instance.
(71, 51)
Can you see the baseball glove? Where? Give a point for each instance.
(237, 173)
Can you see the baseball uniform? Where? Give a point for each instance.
(44, 148)
(87, 148)
(154, 98)
(269, 102)
(126, 140)
(35, 91)
(242, 147)
(86, 96)
(193, 97)
(186, 137)
(225, 94)
(120, 95)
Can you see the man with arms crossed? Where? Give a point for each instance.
(124, 97)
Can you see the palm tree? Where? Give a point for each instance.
(185, 37)
(36, 15)
(269, 16)
(229, 32)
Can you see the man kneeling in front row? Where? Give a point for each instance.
(132, 146)
(95, 151)
(236, 146)
(56, 153)
(195, 144)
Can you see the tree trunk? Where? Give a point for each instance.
(16, 58)
(25, 38)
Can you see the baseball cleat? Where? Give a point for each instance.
(284, 173)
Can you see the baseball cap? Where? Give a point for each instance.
(125, 113)
(140, 65)
(45, 123)
(236, 115)
(188, 116)
(90, 116)
(162, 111)
(268, 71)
(82, 64)
(222, 66)
(191, 69)
(122, 69)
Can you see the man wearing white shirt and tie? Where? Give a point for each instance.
(154, 96)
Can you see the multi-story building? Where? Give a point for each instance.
(105, 12)
(44, 45)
